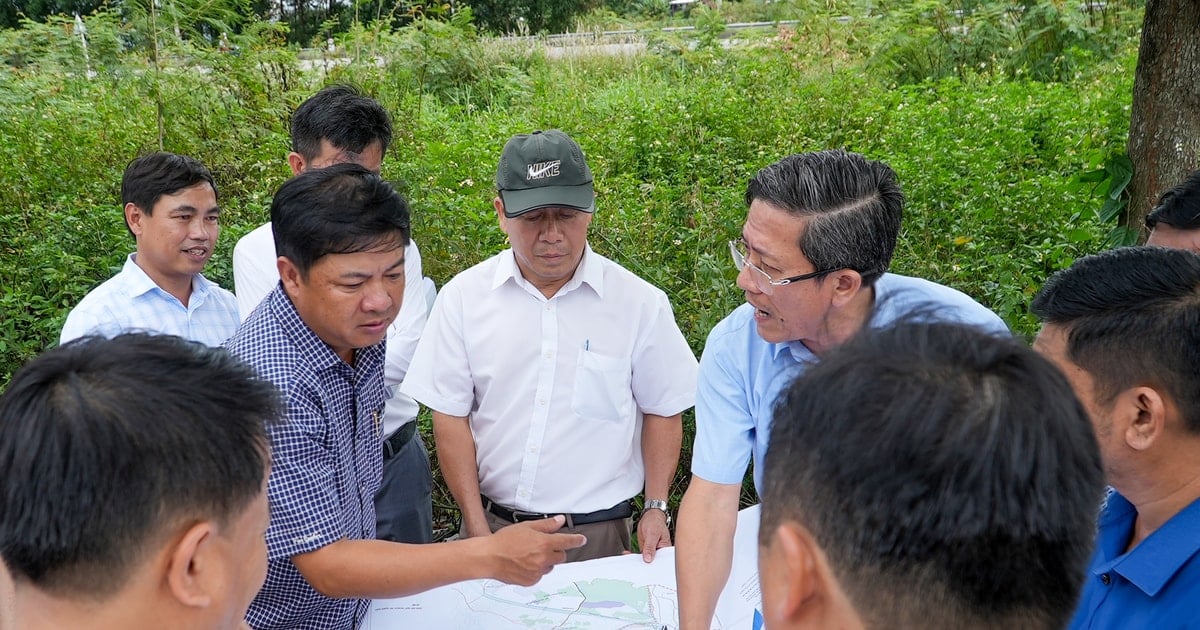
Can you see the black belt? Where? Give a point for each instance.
(623, 509)
(398, 439)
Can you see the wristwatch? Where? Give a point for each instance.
(657, 504)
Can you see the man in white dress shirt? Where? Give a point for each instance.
(170, 206)
(556, 377)
(337, 125)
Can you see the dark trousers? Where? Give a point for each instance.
(403, 506)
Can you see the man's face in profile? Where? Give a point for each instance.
(242, 546)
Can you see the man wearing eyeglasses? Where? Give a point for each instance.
(812, 259)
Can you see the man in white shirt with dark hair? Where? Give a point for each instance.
(336, 125)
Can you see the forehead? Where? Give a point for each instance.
(772, 231)
(377, 259)
(199, 196)
(547, 211)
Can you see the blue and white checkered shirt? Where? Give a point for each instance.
(131, 302)
(326, 459)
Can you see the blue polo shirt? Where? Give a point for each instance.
(741, 375)
(1154, 585)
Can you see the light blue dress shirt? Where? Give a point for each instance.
(1154, 585)
(131, 302)
(741, 375)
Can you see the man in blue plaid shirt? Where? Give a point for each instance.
(340, 234)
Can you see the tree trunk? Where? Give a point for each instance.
(1164, 128)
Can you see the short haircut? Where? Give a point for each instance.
(950, 477)
(853, 206)
(341, 209)
(1132, 317)
(108, 444)
(344, 117)
(150, 177)
(1179, 207)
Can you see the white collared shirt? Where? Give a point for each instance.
(255, 274)
(555, 388)
(131, 302)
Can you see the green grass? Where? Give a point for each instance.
(985, 156)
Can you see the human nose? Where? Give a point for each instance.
(199, 229)
(552, 233)
(746, 280)
(378, 299)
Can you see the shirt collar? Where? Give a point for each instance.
(589, 272)
(882, 312)
(1151, 564)
(140, 283)
(316, 350)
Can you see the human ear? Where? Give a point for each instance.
(789, 575)
(846, 285)
(1148, 411)
(296, 162)
(133, 218)
(498, 204)
(289, 273)
(190, 565)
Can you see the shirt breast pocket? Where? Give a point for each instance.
(602, 387)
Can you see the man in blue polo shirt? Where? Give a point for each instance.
(812, 259)
(1124, 326)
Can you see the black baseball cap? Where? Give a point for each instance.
(542, 169)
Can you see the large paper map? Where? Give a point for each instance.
(622, 592)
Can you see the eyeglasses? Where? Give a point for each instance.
(741, 260)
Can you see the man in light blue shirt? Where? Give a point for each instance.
(812, 259)
(1124, 326)
(171, 211)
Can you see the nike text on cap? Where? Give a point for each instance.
(542, 169)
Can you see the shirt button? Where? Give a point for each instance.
(1105, 579)
(549, 355)
(542, 402)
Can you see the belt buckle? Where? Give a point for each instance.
(519, 517)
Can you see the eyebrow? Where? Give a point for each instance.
(193, 209)
(359, 274)
(763, 256)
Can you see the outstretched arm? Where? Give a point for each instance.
(520, 554)
(704, 549)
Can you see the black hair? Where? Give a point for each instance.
(107, 444)
(341, 209)
(950, 476)
(1179, 207)
(341, 115)
(1132, 316)
(854, 207)
(150, 177)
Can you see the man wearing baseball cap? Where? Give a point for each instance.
(556, 377)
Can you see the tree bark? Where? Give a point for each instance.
(1164, 127)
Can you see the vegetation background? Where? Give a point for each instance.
(1006, 123)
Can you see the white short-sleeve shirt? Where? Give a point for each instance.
(555, 389)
